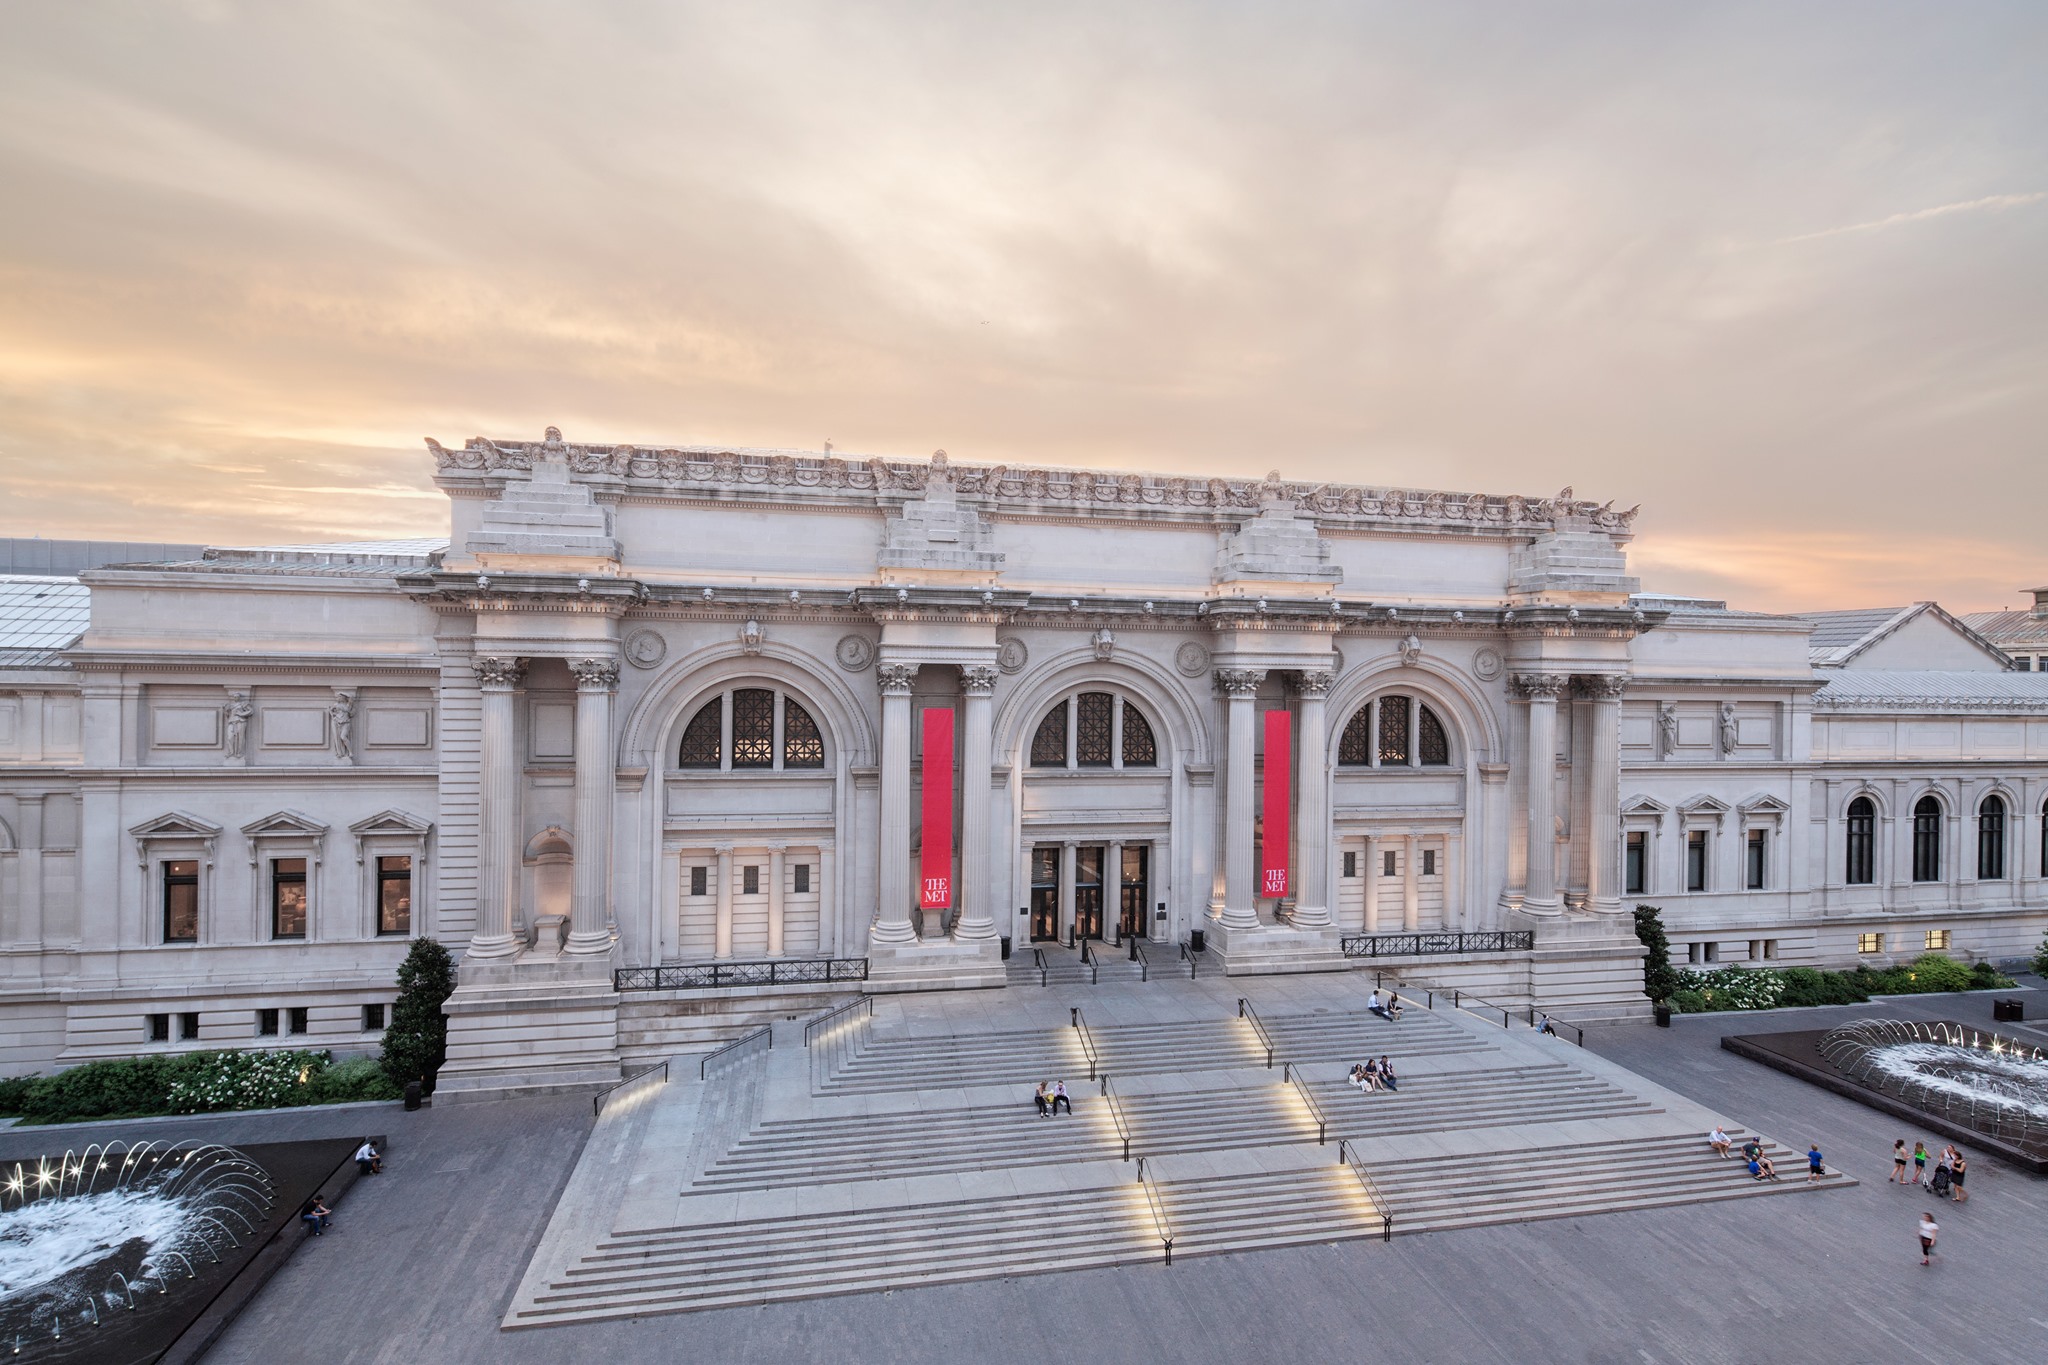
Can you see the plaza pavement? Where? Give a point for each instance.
(430, 1253)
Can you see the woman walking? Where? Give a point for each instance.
(1898, 1162)
(1929, 1229)
(1919, 1162)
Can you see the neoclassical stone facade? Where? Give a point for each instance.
(666, 706)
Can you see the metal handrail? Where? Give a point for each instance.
(865, 1004)
(1287, 1077)
(1458, 998)
(1144, 963)
(597, 1101)
(1348, 1156)
(1578, 1034)
(1088, 961)
(766, 1031)
(1087, 1039)
(832, 1031)
(1160, 1222)
(1245, 1011)
(1116, 1115)
(1038, 960)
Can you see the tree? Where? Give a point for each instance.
(1659, 981)
(2041, 957)
(416, 1043)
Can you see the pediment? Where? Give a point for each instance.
(1704, 804)
(1765, 804)
(1645, 805)
(390, 822)
(176, 824)
(285, 822)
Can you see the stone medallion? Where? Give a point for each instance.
(1486, 663)
(645, 648)
(1011, 655)
(1191, 659)
(854, 652)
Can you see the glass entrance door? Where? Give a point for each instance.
(1134, 891)
(1088, 891)
(1045, 893)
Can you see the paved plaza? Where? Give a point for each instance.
(431, 1255)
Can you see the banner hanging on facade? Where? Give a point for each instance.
(1279, 785)
(935, 864)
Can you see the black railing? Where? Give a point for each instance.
(704, 976)
(1160, 1223)
(1116, 1115)
(598, 1101)
(1087, 1039)
(835, 1034)
(1542, 1023)
(1138, 956)
(1245, 1011)
(1189, 958)
(1089, 961)
(1460, 1000)
(1348, 1156)
(1287, 1077)
(1428, 945)
(1038, 961)
(761, 1039)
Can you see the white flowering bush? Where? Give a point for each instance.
(1733, 988)
(214, 1081)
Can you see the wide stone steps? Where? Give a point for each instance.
(1493, 1098)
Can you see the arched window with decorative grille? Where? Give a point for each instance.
(1049, 745)
(1107, 730)
(751, 729)
(1093, 723)
(1861, 869)
(802, 745)
(1140, 749)
(1991, 839)
(1394, 731)
(1927, 840)
(701, 745)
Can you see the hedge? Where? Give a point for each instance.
(195, 1083)
(1745, 988)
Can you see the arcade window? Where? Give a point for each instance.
(1862, 862)
(1108, 731)
(737, 731)
(1394, 731)
(1927, 840)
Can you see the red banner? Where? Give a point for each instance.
(1279, 769)
(935, 866)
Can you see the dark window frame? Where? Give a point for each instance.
(298, 1019)
(1756, 856)
(282, 880)
(800, 879)
(388, 876)
(1860, 863)
(266, 1023)
(1635, 863)
(1991, 812)
(180, 881)
(700, 880)
(1696, 860)
(1927, 818)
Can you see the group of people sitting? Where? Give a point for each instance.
(1051, 1095)
(1760, 1167)
(1374, 1075)
(1386, 1008)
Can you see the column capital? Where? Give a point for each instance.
(1315, 683)
(595, 675)
(499, 670)
(1602, 686)
(978, 680)
(896, 679)
(1538, 686)
(778, 845)
(722, 850)
(1239, 682)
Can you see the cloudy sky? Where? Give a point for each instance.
(1779, 273)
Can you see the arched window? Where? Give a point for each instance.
(1107, 731)
(752, 729)
(1862, 868)
(1991, 839)
(1927, 840)
(1394, 731)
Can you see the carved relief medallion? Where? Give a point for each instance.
(1011, 655)
(1191, 659)
(1486, 663)
(645, 648)
(854, 653)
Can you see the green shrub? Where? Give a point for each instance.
(1807, 986)
(417, 1042)
(14, 1093)
(1985, 977)
(217, 1081)
(123, 1088)
(1659, 981)
(2041, 957)
(359, 1078)
(1689, 1002)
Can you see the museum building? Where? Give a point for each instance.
(825, 724)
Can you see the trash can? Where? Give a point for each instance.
(412, 1095)
(2010, 1010)
(1006, 947)
(1194, 940)
(1663, 1013)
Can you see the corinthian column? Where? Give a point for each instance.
(1312, 803)
(892, 919)
(591, 902)
(1541, 691)
(497, 891)
(1240, 909)
(977, 897)
(1603, 834)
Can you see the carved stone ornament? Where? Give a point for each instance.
(897, 678)
(645, 648)
(595, 674)
(1411, 650)
(235, 712)
(752, 637)
(495, 670)
(1315, 682)
(1239, 682)
(1011, 655)
(1667, 729)
(854, 653)
(978, 680)
(1191, 659)
(341, 717)
(1731, 734)
(1487, 664)
(1540, 686)
(1603, 686)
(1104, 641)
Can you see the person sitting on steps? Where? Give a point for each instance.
(1393, 1004)
(1043, 1100)
(1059, 1097)
(1375, 1005)
(1387, 1074)
(1719, 1141)
(316, 1215)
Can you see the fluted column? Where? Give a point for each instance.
(591, 900)
(498, 842)
(892, 917)
(721, 945)
(1240, 859)
(1112, 891)
(1372, 884)
(1065, 927)
(1541, 691)
(977, 750)
(828, 903)
(1411, 891)
(775, 911)
(1603, 834)
(1312, 803)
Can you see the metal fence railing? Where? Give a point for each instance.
(1087, 1040)
(1160, 1222)
(1246, 1012)
(705, 976)
(1432, 945)
(1348, 1155)
(1116, 1115)
(1315, 1110)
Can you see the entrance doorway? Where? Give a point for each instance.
(1045, 893)
(1088, 891)
(1133, 891)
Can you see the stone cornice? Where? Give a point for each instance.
(107, 661)
(550, 593)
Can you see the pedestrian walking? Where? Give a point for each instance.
(1929, 1229)
(1898, 1162)
(1814, 1169)
(1919, 1163)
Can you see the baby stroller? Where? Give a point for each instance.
(1938, 1186)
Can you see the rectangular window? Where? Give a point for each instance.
(1770, 950)
(181, 901)
(188, 1027)
(1429, 862)
(1388, 867)
(1756, 860)
(1696, 860)
(800, 879)
(750, 880)
(1937, 940)
(1636, 872)
(373, 1018)
(158, 1027)
(266, 1023)
(1711, 952)
(287, 897)
(296, 1016)
(1692, 954)
(1351, 863)
(1870, 943)
(394, 895)
(700, 881)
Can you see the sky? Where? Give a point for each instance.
(1778, 273)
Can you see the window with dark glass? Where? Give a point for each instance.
(287, 897)
(1092, 729)
(2044, 839)
(1354, 746)
(800, 879)
(1140, 750)
(1927, 840)
(802, 745)
(1636, 864)
(1696, 860)
(750, 879)
(1755, 863)
(1350, 863)
(373, 1018)
(1862, 861)
(1435, 746)
(700, 880)
(1049, 745)
(1393, 730)
(394, 894)
(1429, 862)
(1389, 864)
(181, 901)
(1991, 839)
(298, 1019)
(700, 738)
(753, 728)
(188, 1027)
(158, 1026)
(266, 1023)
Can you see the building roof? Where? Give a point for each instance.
(343, 559)
(1839, 636)
(1879, 689)
(40, 615)
(35, 555)
(2023, 627)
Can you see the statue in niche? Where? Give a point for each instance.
(341, 714)
(1667, 729)
(1729, 735)
(236, 713)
